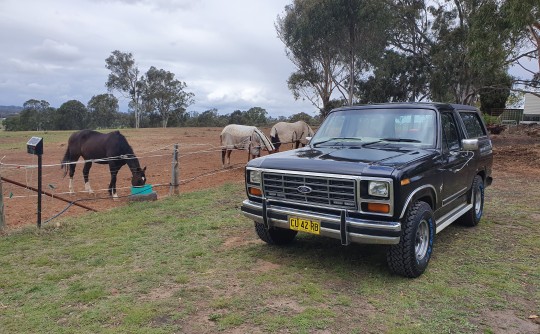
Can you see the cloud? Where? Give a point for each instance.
(161, 5)
(227, 52)
(56, 51)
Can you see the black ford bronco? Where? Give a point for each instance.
(393, 174)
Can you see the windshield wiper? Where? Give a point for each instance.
(404, 140)
(335, 139)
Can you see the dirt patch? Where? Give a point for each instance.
(199, 168)
(161, 292)
(286, 306)
(265, 266)
(506, 322)
(239, 241)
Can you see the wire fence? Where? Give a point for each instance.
(199, 164)
(195, 162)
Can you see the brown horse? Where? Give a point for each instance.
(110, 148)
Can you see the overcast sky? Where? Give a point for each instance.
(227, 52)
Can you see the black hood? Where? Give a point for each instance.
(353, 160)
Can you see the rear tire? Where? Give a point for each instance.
(275, 235)
(411, 256)
(472, 217)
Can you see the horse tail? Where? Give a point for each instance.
(65, 161)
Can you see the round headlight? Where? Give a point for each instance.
(378, 188)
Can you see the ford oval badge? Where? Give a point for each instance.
(304, 189)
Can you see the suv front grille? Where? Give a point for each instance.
(321, 191)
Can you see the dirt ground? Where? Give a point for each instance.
(199, 168)
(516, 151)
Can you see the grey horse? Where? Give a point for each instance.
(295, 133)
(243, 137)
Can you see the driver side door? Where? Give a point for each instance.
(455, 175)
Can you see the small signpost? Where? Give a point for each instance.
(35, 146)
(2, 215)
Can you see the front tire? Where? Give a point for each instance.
(411, 256)
(472, 217)
(275, 235)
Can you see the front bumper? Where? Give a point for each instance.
(338, 226)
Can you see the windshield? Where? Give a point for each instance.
(362, 126)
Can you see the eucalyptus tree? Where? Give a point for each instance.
(523, 18)
(256, 116)
(308, 30)
(124, 77)
(72, 115)
(362, 27)
(460, 48)
(236, 117)
(165, 94)
(36, 115)
(484, 38)
(330, 42)
(402, 72)
(103, 109)
(396, 77)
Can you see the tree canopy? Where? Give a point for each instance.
(409, 50)
(330, 42)
(163, 93)
(124, 77)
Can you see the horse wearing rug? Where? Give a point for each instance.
(110, 148)
(243, 137)
(295, 133)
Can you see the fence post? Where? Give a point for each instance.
(2, 215)
(174, 188)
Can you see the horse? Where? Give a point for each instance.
(295, 133)
(102, 148)
(243, 137)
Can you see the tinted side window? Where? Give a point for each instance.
(473, 125)
(449, 133)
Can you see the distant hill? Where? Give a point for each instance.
(6, 111)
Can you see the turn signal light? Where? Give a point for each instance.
(378, 207)
(405, 182)
(255, 191)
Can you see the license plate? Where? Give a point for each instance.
(305, 225)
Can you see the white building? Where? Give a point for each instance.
(531, 109)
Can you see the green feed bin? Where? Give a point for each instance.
(142, 190)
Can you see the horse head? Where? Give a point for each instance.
(255, 150)
(138, 177)
(276, 142)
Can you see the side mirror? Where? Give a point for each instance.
(469, 144)
(308, 139)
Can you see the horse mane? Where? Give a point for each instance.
(269, 146)
(123, 145)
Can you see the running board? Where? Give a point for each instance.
(452, 216)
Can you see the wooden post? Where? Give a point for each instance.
(2, 215)
(175, 187)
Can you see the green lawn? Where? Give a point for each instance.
(193, 264)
